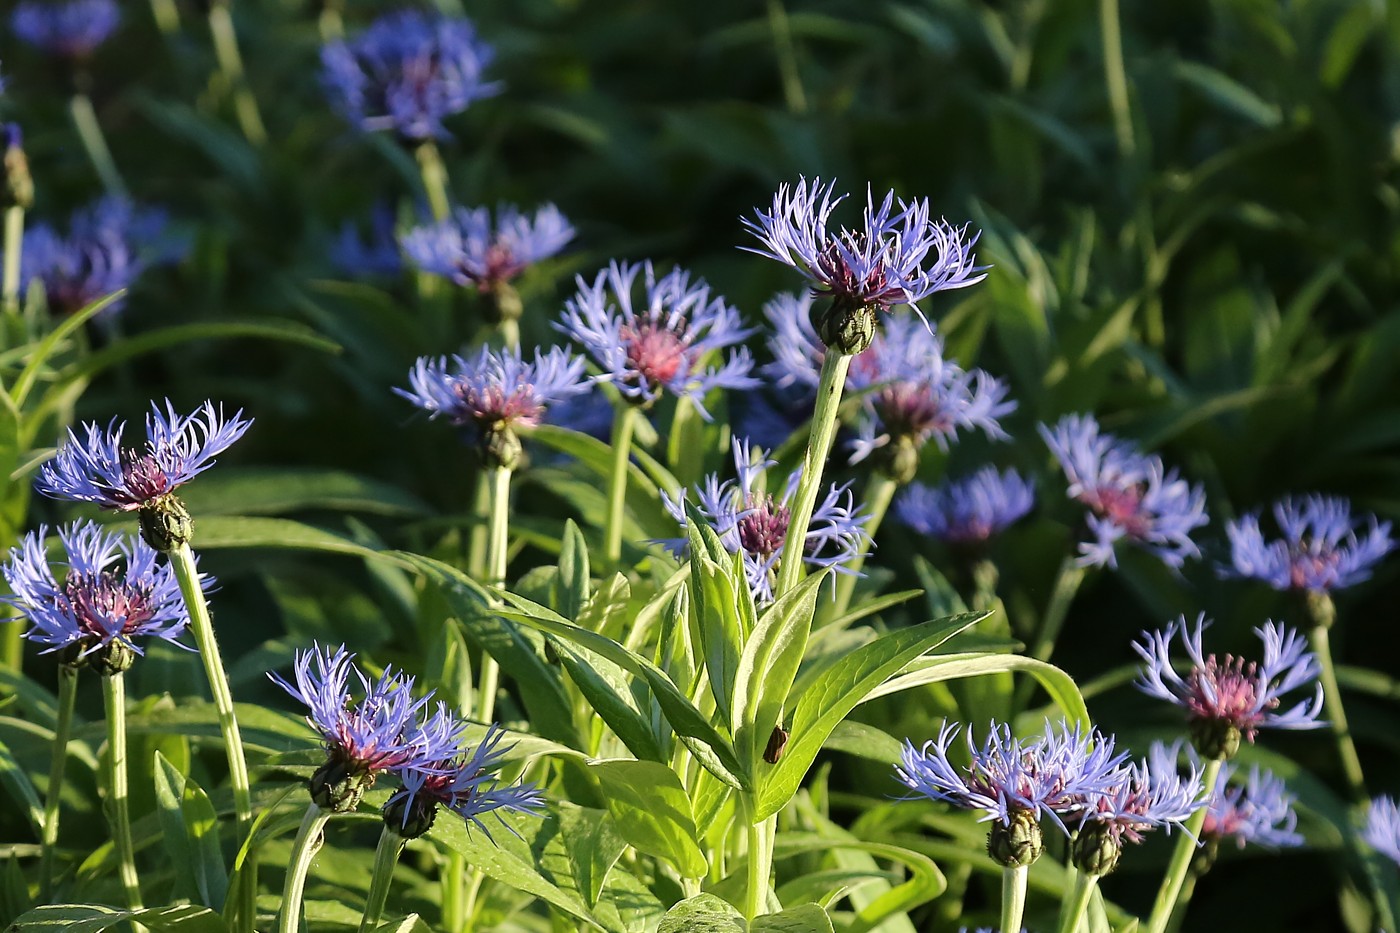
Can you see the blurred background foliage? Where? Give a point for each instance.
(1201, 248)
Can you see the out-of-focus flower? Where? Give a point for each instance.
(662, 344)
(1382, 829)
(358, 255)
(967, 512)
(753, 522)
(472, 251)
(407, 72)
(1130, 496)
(66, 28)
(1319, 551)
(1229, 699)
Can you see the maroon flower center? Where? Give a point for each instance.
(656, 353)
(144, 479)
(874, 287)
(105, 605)
(911, 409)
(1309, 568)
(1122, 506)
(495, 405)
(764, 529)
(1227, 692)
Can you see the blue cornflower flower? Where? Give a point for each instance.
(663, 345)
(407, 72)
(1141, 796)
(753, 522)
(1130, 495)
(1319, 551)
(797, 350)
(1231, 698)
(879, 265)
(71, 29)
(1257, 812)
(358, 255)
(1382, 830)
(967, 512)
(470, 250)
(112, 594)
(463, 784)
(178, 448)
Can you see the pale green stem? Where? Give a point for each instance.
(760, 865)
(90, 132)
(497, 551)
(114, 697)
(624, 419)
(454, 892)
(386, 857)
(12, 641)
(14, 245)
(67, 693)
(167, 16)
(1180, 863)
(829, 389)
(793, 94)
(472, 895)
(1188, 888)
(878, 496)
(1013, 897)
(1116, 76)
(245, 105)
(1076, 901)
(1332, 703)
(481, 527)
(510, 332)
(304, 849)
(331, 24)
(434, 175)
(1052, 621)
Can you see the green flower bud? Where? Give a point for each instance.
(844, 327)
(338, 787)
(166, 524)
(1018, 843)
(1216, 738)
(1096, 848)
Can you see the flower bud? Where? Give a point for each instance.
(337, 786)
(1216, 738)
(843, 326)
(409, 820)
(1096, 848)
(1018, 843)
(166, 524)
(116, 657)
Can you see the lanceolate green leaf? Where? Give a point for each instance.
(70, 325)
(602, 683)
(652, 812)
(189, 832)
(21, 789)
(571, 585)
(93, 918)
(1061, 687)
(838, 690)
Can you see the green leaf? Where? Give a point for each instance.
(21, 789)
(93, 918)
(70, 325)
(571, 585)
(189, 832)
(594, 846)
(263, 730)
(1229, 93)
(605, 687)
(269, 491)
(643, 496)
(410, 924)
(703, 913)
(245, 532)
(840, 689)
(718, 624)
(804, 918)
(1061, 687)
(652, 812)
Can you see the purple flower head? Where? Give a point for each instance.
(464, 784)
(754, 522)
(897, 256)
(797, 350)
(664, 344)
(1231, 692)
(1257, 812)
(69, 29)
(1382, 829)
(407, 72)
(1052, 773)
(359, 256)
(470, 250)
(968, 512)
(1130, 495)
(1144, 795)
(98, 469)
(1319, 551)
(497, 390)
(112, 591)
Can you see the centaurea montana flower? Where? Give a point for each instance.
(754, 523)
(69, 29)
(1382, 829)
(407, 72)
(1130, 495)
(1256, 812)
(380, 732)
(1229, 699)
(897, 256)
(472, 251)
(1014, 781)
(374, 252)
(968, 512)
(464, 784)
(1142, 795)
(1320, 549)
(663, 343)
(112, 594)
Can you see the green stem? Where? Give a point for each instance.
(167, 17)
(510, 332)
(472, 894)
(14, 245)
(1076, 902)
(624, 419)
(878, 496)
(304, 849)
(386, 857)
(1332, 702)
(67, 694)
(1188, 888)
(90, 132)
(245, 105)
(1067, 583)
(1180, 862)
(1013, 897)
(453, 883)
(1116, 76)
(114, 699)
(793, 94)
(497, 551)
(760, 865)
(330, 21)
(829, 389)
(434, 175)
(183, 563)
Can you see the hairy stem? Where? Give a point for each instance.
(1180, 862)
(114, 699)
(624, 419)
(386, 857)
(497, 547)
(1013, 897)
(1076, 901)
(67, 694)
(760, 865)
(304, 849)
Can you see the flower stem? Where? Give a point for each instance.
(67, 694)
(829, 389)
(624, 419)
(90, 132)
(1180, 862)
(1013, 897)
(497, 547)
(1052, 621)
(386, 857)
(304, 849)
(1188, 887)
(14, 244)
(1077, 901)
(1116, 76)
(245, 105)
(1332, 703)
(167, 16)
(878, 496)
(434, 175)
(793, 94)
(760, 866)
(114, 699)
(454, 892)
